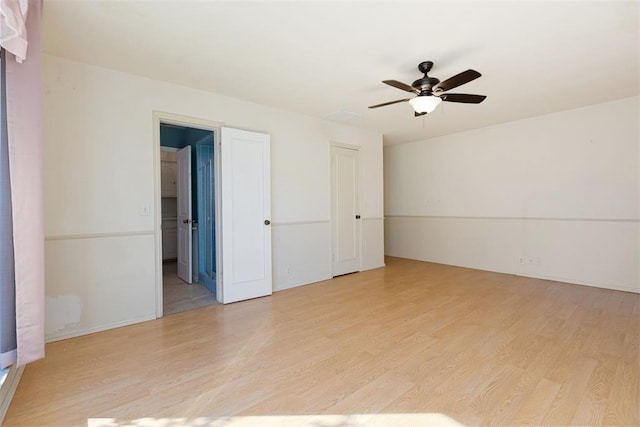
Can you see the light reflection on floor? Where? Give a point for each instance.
(354, 420)
(3, 375)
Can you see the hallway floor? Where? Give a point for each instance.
(179, 296)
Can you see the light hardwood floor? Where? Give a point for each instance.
(396, 345)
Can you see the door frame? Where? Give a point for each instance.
(356, 148)
(158, 118)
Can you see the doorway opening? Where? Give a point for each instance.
(234, 189)
(187, 189)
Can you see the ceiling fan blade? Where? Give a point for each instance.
(401, 86)
(418, 114)
(457, 80)
(465, 98)
(389, 103)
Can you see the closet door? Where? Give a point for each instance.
(185, 259)
(345, 210)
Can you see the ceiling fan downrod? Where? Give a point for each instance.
(425, 83)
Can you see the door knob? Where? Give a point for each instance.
(186, 221)
(267, 222)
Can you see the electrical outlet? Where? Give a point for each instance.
(529, 260)
(289, 272)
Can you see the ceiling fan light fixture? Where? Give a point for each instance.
(431, 91)
(425, 103)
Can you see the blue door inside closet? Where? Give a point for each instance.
(206, 215)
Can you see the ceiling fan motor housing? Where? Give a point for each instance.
(425, 83)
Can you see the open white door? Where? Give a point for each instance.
(246, 215)
(185, 259)
(345, 210)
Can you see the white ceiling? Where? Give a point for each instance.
(319, 57)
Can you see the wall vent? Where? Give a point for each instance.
(341, 116)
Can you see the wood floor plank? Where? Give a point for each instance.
(537, 404)
(494, 390)
(414, 339)
(594, 401)
(564, 406)
(622, 405)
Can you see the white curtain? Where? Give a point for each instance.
(13, 27)
(21, 39)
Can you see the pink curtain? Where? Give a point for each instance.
(24, 92)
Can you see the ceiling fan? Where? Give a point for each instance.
(430, 91)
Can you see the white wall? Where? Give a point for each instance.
(99, 174)
(560, 190)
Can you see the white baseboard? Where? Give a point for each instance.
(8, 389)
(572, 281)
(86, 331)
